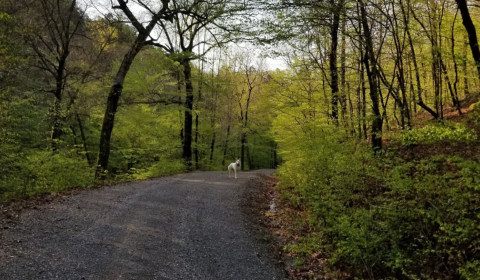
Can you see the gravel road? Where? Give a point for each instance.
(187, 226)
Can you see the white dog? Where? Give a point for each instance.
(234, 166)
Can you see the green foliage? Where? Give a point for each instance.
(456, 133)
(45, 172)
(381, 218)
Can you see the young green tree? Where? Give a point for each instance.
(52, 31)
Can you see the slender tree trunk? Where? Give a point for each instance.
(56, 130)
(195, 147)
(226, 146)
(112, 104)
(249, 157)
(372, 74)
(84, 140)
(464, 66)
(406, 119)
(400, 48)
(333, 59)
(343, 58)
(412, 89)
(359, 111)
(118, 80)
(364, 101)
(419, 98)
(243, 142)
(453, 95)
(435, 78)
(472, 33)
(187, 144)
(60, 82)
(350, 104)
(212, 146)
(455, 66)
(196, 152)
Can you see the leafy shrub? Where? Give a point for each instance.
(382, 218)
(161, 168)
(45, 172)
(451, 132)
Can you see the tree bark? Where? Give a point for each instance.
(333, 59)
(188, 124)
(226, 146)
(195, 147)
(56, 130)
(415, 66)
(212, 146)
(84, 140)
(472, 33)
(372, 74)
(243, 142)
(112, 104)
(464, 67)
(343, 58)
(118, 80)
(364, 100)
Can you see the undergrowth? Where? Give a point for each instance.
(32, 173)
(384, 217)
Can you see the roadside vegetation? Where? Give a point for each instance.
(410, 213)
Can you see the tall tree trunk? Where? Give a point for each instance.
(212, 146)
(464, 66)
(249, 158)
(412, 88)
(243, 142)
(56, 130)
(333, 59)
(455, 66)
(419, 98)
(187, 144)
(195, 147)
(472, 33)
(364, 100)
(372, 74)
(406, 118)
(112, 104)
(343, 58)
(453, 94)
(119, 79)
(60, 83)
(84, 140)
(435, 78)
(402, 100)
(359, 110)
(350, 104)
(226, 146)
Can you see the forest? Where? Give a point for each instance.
(373, 123)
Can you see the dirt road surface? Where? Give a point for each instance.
(187, 226)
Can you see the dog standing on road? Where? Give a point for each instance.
(234, 166)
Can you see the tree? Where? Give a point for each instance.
(187, 32)
(370, 61)
(472, 33)
(143, 39)
(52, 33)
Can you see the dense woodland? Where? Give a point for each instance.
(373, 124)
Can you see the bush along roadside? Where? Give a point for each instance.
(379, 217)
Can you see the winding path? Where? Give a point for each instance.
(187, 226)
